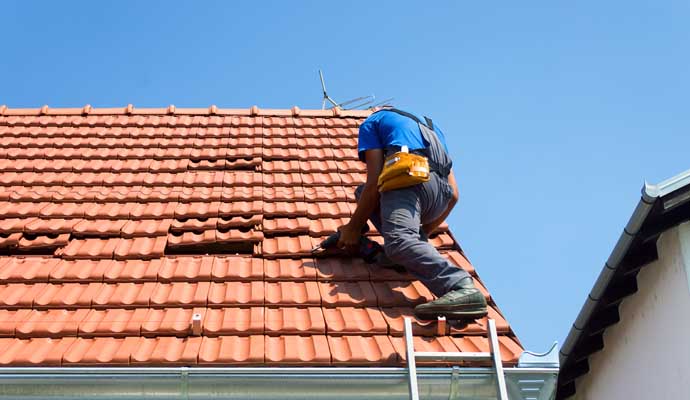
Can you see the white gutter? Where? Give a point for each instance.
(268, 383)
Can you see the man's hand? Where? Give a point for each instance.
(349, 238)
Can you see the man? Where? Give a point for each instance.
(406, 217)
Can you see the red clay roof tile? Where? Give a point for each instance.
(284, 269)
(341, 269)
(285, 209)
(355, 320)
(292, 293)
(50, 323)
(80, 271)
(398, 294)
(351, 294)
(196, 268)
(293, 320)
(237, 268)
(113, 322)
(130, 270)
(286, 225)
(232, 350)
(35, 269)
(233, 321)
(98, 227)
(236, 293)
(89, 249)
(287, 246)
(127, 186)
(297, 350)
(362, 350)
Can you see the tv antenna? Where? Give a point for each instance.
(355, 103)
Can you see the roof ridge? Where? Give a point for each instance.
(172, 110)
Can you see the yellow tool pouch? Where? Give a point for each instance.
(403, 169)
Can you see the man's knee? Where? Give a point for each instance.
(395, 244)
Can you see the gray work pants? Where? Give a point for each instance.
(399, 218)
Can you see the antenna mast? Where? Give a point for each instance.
(360, 101)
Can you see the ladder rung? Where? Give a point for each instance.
(442, 356)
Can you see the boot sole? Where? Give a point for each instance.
(471, 311)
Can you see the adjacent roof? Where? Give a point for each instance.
(119, 226)
(661, 207)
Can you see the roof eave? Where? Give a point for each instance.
(667, 194)
(265, 383)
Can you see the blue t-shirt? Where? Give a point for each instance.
(387, 128)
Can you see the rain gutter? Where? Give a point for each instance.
(269, 383)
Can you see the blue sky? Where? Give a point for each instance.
(556, 112)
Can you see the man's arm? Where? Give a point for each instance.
(368, 200)
(431, 227)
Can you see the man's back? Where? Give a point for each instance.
(386, 128)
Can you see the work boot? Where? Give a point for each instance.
(464, 301)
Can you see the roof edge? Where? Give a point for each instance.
(262, 382)
(650, 195)
(172, 110)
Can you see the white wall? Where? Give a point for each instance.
(647, 354)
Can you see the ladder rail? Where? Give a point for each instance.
(494, 356)
(411, 364)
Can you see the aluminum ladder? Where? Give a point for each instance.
(494, 355)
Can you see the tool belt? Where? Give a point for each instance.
(403, 169)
